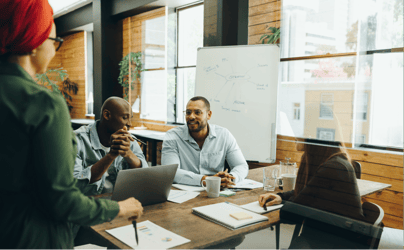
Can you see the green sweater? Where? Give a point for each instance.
(39, 197)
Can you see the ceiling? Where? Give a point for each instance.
(62, 7)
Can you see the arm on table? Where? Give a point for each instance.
(234, 156)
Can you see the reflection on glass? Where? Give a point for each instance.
(369, 105)
(190, 34)
(330, 26)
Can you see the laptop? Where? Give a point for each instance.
(149, 186)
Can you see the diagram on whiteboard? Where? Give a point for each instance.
(241, 84)
(232, 84)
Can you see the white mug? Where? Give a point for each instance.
(289, 181)
(212, 186)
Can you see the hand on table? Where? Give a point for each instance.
(130, 209)
(269, 199)
(226, 179)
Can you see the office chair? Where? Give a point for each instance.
(337, 229)
(357, 168)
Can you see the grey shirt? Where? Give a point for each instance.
(89, 152)
(180, 148)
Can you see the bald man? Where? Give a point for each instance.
(105, 147)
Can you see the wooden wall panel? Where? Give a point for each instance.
(71, 56)
(262, 14)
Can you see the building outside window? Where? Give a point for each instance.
(326, 134)
(342, 55)
(296, 111)
(326, 106)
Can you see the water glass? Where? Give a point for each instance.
(271, 174)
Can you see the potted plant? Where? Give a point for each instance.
(67, 88)
(273, 37)
(136, 68)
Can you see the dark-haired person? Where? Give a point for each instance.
(105, 147)
(39, 197)
(326, 180)
(201, 148)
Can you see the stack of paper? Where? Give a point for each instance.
(179, 196)
(256, 208)
(151, 236)
(220, 214)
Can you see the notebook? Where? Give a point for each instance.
(220, 214)
(256, 208)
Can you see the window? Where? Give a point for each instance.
(296, 111)
(90, 77)
(326, 134)
(326, 106)
(345, 61)
(189, 38)
(360, 139)
(362, 106)
(154, 79)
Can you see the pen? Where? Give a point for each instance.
(134, 226)
(138, 140)
(265, 207)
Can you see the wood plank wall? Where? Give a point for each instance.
(71, 56)
(261, 15)
(380, 167)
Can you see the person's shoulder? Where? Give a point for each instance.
(82, 130)
(220, 131)
(176, 132)
(338, 164)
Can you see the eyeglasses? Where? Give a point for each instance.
(58, 42)
(197, 112)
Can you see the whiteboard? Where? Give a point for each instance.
(241, 84)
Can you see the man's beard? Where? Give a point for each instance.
(199, 128)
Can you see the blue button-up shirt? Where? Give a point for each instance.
(89, 152)
(193, 163)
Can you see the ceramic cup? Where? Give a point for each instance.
(212, 186)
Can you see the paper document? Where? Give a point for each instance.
(89, 246)
(220, 214)
(248, 184)
(189, 188)
(151, 236)
(256, 208)
(180, 196)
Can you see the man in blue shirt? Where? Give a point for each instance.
(105, 147)
(200, 149)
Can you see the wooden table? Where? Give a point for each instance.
(179, 219)
(150, 136)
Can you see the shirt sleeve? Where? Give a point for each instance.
(54, 159)
(236, 160)
(82, 174)
(138, 152)
(170, 155)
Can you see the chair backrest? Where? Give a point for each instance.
(370, 230)
(373, 213)
(358, 169)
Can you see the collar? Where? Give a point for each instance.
(95, 140)
(7, 68)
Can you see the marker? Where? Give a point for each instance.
(134, 226)
(138, 140)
